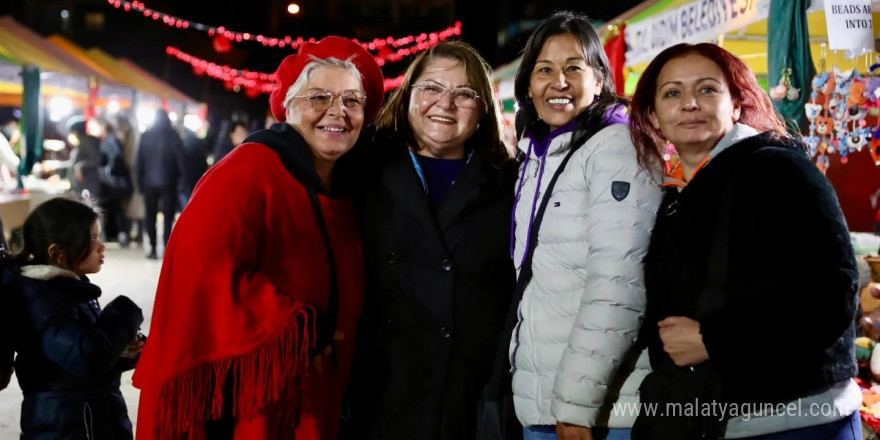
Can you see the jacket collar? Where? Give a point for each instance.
(675, 177)
(61, 279)
(294, 152)
(555, 142)
(46, 272)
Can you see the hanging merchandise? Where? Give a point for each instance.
(872, 103)
(821, 126)
(784, 90)
(844, 113)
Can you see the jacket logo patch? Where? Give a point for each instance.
(619, 190)
(556, 204)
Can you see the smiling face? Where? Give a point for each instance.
(442, 127)
(562, 84)
(95, 258)
(692, 106)
(332, 132)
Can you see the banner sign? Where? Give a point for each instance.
(695, 22)
(849, 24)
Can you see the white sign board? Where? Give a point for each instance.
(698, 21)
(849, 24)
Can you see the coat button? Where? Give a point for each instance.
(445, 333)
(391, 258)
(446, 265)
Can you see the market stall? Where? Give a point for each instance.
(51, 79)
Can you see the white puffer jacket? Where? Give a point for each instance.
(581, 312)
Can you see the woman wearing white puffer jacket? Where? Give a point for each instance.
(573, 350)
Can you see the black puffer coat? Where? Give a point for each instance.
(68, 362)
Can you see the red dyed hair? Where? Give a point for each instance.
(756, 109)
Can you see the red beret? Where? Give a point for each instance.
(336, 47)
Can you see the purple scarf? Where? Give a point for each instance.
(614, 115)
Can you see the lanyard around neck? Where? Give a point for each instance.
(421, 173)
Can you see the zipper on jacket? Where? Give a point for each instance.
(88, 421)
(516, 330)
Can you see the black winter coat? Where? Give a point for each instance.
(115, 176)
(439, 282)
(68, 362)
(784, 329)
(194, 162)
(87, 159)
(159, 158)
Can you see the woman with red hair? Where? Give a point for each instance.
(720, 293)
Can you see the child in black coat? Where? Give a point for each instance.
(70, 353)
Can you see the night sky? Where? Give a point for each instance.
(131, 35)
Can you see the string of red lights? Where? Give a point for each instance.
(280, 42)
(251, 81)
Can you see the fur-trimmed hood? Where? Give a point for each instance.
(56, 278)
(46, 272)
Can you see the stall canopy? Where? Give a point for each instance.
(738, 26)
(166, 90)
(113, 87)
(742, 27)
(18, 51)
(154, 88)
(38, 68)
(79, 73)
(19, 46)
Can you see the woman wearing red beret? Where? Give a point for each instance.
(261, 285)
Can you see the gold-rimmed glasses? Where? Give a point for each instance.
(322, 99)
(463, 97)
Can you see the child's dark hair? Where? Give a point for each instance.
(64, 222)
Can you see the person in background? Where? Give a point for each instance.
(12, 132)
(82, 167)
(9, 161)
(158, 167)
(255, 313)
(269, 120)
(194, 159)
(70, 353)
(134, 205)
(7, 323)
(719, 291)
(232, 133)
(435, 190)
(573, 350)
(116, 181)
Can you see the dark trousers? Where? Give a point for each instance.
(151, 208)
(115, 220)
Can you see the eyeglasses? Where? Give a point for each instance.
(462, 96)
(322, 99)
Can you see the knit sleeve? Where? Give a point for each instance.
(623, 202)
(791, 285)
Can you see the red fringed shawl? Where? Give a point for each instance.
(246, 257)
